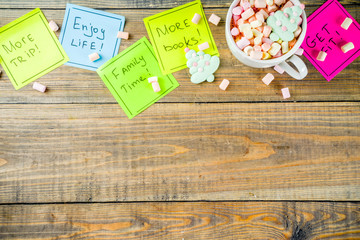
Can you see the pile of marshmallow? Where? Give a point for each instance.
(266, 29)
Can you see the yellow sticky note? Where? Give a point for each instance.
(170, 32)
(29, 49)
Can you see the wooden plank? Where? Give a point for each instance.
(265, 151)
(74, 85)
(108, 4)
(205, 220)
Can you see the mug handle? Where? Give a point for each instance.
(301, 71)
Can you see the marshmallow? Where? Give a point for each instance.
(123, 35)
(279, 69)
(53, 26)
(266, 56)
(257, 33)
(266, 15)
(297, 32)
(156, 86)
(256, 55)
(257, 48)
(260, 3)
(275, 48)
(299, 52)
(224, 84)
(287, 5)
(284, 47)
(242, 43)
(255, 24)
(94, 56)
(321, 56)
(278, 2)
(197, 18)
(267, 31)
(272, 8)
(237, 11)
(285, 93)
(248, 50)
(270, 2)
(154, 83)
(267, 40)
(153, 79)
(346, 23)
(214, 19)
(247, 14)
(260, 17)
(39, 87)
(268, 78)
(265, 47)
(258, 40)
(347, 47)
(203, 46)
(235, 31)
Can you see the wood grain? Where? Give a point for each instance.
(146, 4)
(73, 85)
(265, 151)
(210, 220)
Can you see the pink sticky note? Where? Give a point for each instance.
(324, 33)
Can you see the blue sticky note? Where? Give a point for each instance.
(85, 31)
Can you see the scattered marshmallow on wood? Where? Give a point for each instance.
(279, 69)
(347, 47)
(196, 19)
(53, 26)
(94, 56)
(285, 93)
(346, 23)
(154, 83)
(321, 56)
(224, 84)
(39, 87)
(268, 78)
(123, 35)
(214, 19)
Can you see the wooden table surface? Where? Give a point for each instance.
(199, 164)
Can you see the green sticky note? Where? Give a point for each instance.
(172, 31)
(126, 76)
(29, 49)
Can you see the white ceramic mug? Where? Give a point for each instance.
(301, 71)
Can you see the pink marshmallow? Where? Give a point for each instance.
(246, 6)
(214, 19)
(267, 31)
(267, 40)
(156, 86)
(272, 8)
(247, 14)
(278, 2)
(236, 17)
(299, 52)
(260, 3)
(268, 78)
(260, 17)
(287, 5)
(235, 31)
(123, 35)
(285, 93)
(53, 26)
(265, 47)
(263, 12)
(203, 46)
(279, 54)
(253, 18)
(242, 43)
(196, 18)
(256, 55)
(94, 56)
(300, 21)
(237, 11)
(302, 6)
(257, 48)
(279, 69)
(224, 84)
(39, 87)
